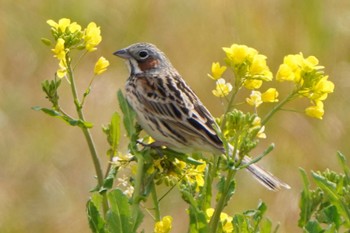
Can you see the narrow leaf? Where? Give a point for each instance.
(114, 133)
(96, 222)
(129, 114)
(305, 201)
(346, 168)
(109, 180)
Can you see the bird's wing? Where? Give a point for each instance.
(176, 106)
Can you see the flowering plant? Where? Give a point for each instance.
(117, 202)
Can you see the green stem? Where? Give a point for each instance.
(137, 196)
(214, 221)
(87, 134)
(229, 107)
(278, 107)
(155, 201)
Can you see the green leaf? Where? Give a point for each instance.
(129, 114)
(198, 219)
(330, 189)
(67, 119)
(205, 196)
(114, 133)
(109, 180)
(96, 222)
(305, 200)
(46, 41)
(118, 219)
(346, 168)
(241, 224)
(329, 215)
(266, 226)
(50, 88)
(138, 220)
(313, 227)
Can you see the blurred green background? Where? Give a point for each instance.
(46, 172)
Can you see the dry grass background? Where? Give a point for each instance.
(46, 172)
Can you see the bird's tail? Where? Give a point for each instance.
(267, 179)
(264, 177)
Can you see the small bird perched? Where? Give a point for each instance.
(170, 112)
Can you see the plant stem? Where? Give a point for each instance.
(87, 134)
(278, 107)
(138, 184)
(229, 107)
(155, 201)
(214, 221)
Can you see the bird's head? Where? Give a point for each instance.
(143, 57)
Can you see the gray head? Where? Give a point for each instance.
(144, 57)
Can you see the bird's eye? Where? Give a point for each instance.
(143, 54)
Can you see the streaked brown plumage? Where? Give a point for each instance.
(170, 112)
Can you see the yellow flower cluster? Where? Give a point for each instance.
(309, 80)
(70, 35)
(164, 225)
(250, 70)
(192, 174)
(225, 220)
(249, 66)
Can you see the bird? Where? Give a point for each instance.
(169, 110)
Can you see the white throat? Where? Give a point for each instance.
(133, 66)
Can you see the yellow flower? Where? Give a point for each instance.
(223, 216)
(270, 95)
(124, 184)
(122, 159)
(222, 88)
(101, 65)
(180, 164)
(61, 25)
(315, 111)
(254, 99)
(73, 27)
(261, 134)
(310, 63)
(217, 70)
(62, 70)
(59, 49)
(239, 53)
(285, 73)
(92, 37)
(252, 84)
(259, 68)
(209, 212)
(157, 164)
(323, 88)
(291, 68)
(227, 227)
(257, 123)
(225, 220)
(164, 225)
(196, 174)
(193, 174)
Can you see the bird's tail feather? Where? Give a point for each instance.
(264, 177)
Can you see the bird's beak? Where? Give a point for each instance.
(123, 53)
